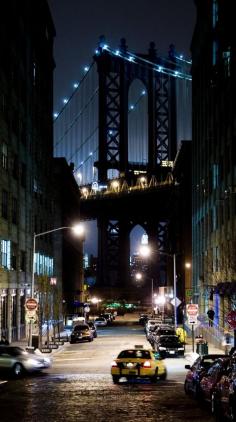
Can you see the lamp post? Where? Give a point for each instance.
(138, 277)
(146, 251)
(78, 230)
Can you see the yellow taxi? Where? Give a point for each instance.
(138, 363)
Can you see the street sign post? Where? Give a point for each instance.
(192, 314)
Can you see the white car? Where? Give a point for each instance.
(100, 321)
(17, 361)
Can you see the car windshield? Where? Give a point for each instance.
(80, 327)
(134, 354)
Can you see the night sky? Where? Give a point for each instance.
(79, 25)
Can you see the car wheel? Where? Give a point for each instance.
(163, 376)
(186, 388)
(232, 408)
(18, 370)
(115, 379)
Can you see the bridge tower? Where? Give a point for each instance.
(115, 74)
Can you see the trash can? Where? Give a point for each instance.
(202, 348)
(35, 341)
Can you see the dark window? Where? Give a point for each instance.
(14, 311)
(4, 156)
(22, 260)
(4, 204)
(14, 211)
(22, 309)
(23, 175)
(14, 256)
(15, 169)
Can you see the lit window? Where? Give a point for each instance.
(214, 13)
(6, 253)
(227, 60)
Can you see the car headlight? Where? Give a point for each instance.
(162, 348)
(33, 362)
(180, 348)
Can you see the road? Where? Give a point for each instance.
(79, 387)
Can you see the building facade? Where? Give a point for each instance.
(214, 158)
(26, 145)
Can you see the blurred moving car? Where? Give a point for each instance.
(108, 317)
(196, 371)
(81, 332)
(169, 346)
(93, 328)
(223, 399)
(18, 361)
(211, 377)
(100, 322)
(138, 363)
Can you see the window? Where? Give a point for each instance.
(4, 156)
(14, 256)
(23, 175)
(214, 13)
(214, 52)
(22, 260)
(227, 59)
(4, 204)
(215, 176)
(5, 254)
(15, 169)
(14, 211)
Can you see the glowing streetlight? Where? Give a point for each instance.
(145, 251)
(78, 230)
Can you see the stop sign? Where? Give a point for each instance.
(31, 304)
(231, 319)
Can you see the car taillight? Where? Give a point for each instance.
(147, 364)
(114, 364)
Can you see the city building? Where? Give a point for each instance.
(214, 158)
(26, 143)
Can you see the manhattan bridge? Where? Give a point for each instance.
(122, 128)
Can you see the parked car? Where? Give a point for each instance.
(169, 346)
(17, 361)
(108, 317)
(211, 377)
(196, 371)
(136, 363)
(160, 330)
(223, 399)
(100, 322)
(143, 318)
(93, 329)
(81, 332)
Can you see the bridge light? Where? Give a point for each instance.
(110, 132)
(105, 47)
(117, 53)
(55, 115)
(131, 59)
(131, 107)
(75, 85)
(65, 100)
(143, 92)
(115, 184)
(96, 51)
(86, 68)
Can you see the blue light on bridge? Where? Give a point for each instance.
(131, 59)
(75, 85)
(131, 107)
(117, 53)
(105, 47)
(144, 92)
(97, 51)
(110, 132)
(86, 68)
(55, 115)
(65, 100)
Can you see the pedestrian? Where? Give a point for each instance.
(227, 342)
(4, 341)
(210, 314)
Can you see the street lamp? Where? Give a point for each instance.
(145, 251)
(78, 230)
